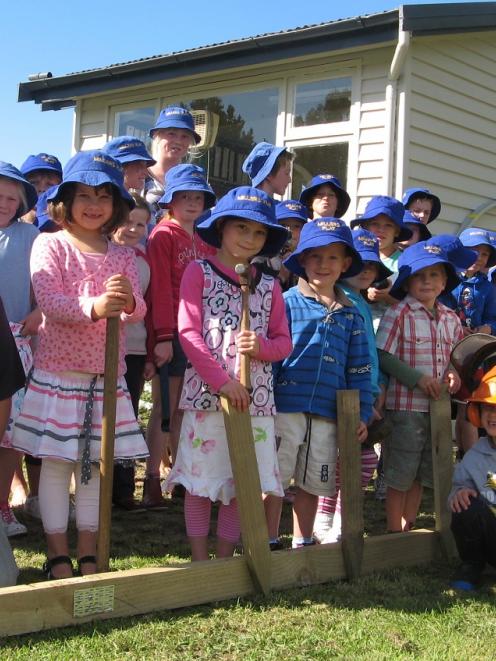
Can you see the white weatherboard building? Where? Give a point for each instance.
(385, 101)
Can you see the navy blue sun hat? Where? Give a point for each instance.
(176, 117)
(41, 162)
(291, 209)
(127, 149)
(410, 219)
(387, 206)
(249, 203)
(260, 161)
(43, 220)
(476, 236)
(460, 256)
(9, 171)
(320, 180)
(367, 246)
(420, 256)
(93, 168)
(187, 177)
(323, 232)
(412, 193)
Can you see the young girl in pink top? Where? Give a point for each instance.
(242, 225)
(80, 279)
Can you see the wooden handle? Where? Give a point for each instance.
(107, 442)
(244, 274)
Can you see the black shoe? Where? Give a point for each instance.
(53, 562)
(276, 546)
(129, 505)
(468, 577)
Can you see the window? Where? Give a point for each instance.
(136, 122)
(318, 159)
(322, 102)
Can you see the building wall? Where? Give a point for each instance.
(451, 113)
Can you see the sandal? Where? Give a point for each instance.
(53, 562)
(86, 559)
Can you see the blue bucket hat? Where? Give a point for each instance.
(291, 209)
(418, 257)
(127, 149)
(388, 206)
(410, 219)
(9, 171)
(187, 177)
(460, 256)
(260, 161)
(43, 220)
(323, 232)
(251, 204)
(410, 193)
(475, 236)
(93, 168)
(367, 246)
(176, 117)
(335, 184)
(41, 162)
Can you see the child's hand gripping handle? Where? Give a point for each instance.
(243, 272)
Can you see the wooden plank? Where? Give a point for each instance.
(442, 468)
(48, 605)
(248, 493)
(107, 443)
(350, 466)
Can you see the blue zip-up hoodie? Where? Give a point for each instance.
(476, 302)
(330, 353)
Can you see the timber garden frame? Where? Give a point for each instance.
(40, 606)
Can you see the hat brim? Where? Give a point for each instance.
(343, 197)
(94, 179)
(404, 234)
(207, 230)
(266, 168)
(398, 291)
(210, 198)
(370, 256)
(40, 168)
(492, 257)
(29, 190)
(176, 124)
(132, 158)
(292, 263)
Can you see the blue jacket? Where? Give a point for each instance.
(477, 470)
(330, 353)
(476, 302)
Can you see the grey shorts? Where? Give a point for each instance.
(307, 451)
(408, 451)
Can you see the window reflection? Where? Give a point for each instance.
(136, 122)
(322, 102)
(309, 161)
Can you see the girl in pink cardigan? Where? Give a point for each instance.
(80, 279)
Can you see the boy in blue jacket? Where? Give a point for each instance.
(330, 353)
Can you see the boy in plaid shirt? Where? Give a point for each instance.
(420, 332)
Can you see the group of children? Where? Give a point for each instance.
(376, 306)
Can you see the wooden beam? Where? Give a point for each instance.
(350, 466)
(442, 468)
(248, 493)
(41, 606)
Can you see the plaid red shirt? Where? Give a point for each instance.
(411, 333)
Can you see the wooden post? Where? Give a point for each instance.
(245, 468)
(442, 468)
(107, 442)
(350, 467)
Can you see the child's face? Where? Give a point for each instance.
(427, 284)
(43, 179)
(133, 230)
(488, 418)
(421, 208)
(9, 201)
(241, 240)
(324, 266)
(135, 175)
(172, 144)
(187, 206)
(281, 179)
(324, 201)
(91, 207)
(415, 238)
(367, 276)
(384, 229)
(294, 226)
(484, 252)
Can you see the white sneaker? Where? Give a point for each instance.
(32, 507)
(11, 525)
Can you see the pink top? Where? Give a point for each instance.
(66, 283)
(276, 346)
